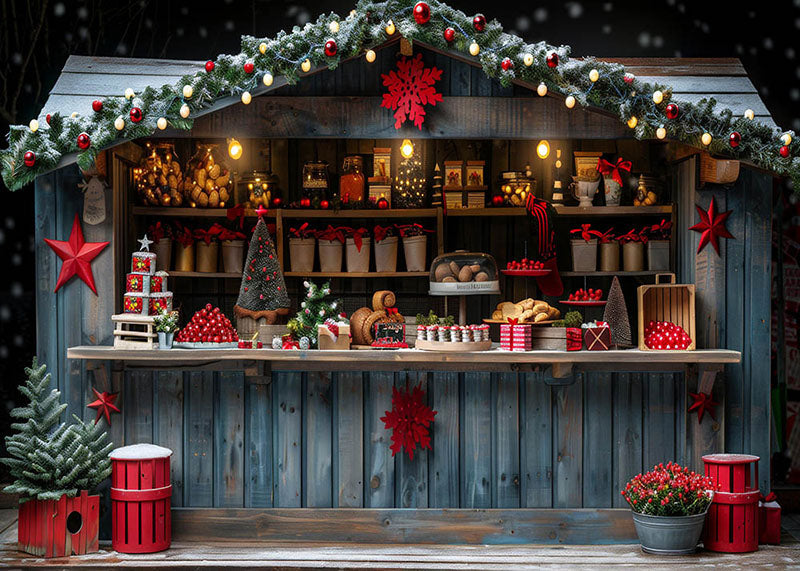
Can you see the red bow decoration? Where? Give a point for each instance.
(358, 235)
(631, 236)
(412, 230)
(381, 232)
(158, 231)
(409, 420)
(585, 232)
(330, 233)
(184, 236)
(236, 212)
(303, 232)
(661, 231)
(604, 167)
(770, 497)
(607, 237)
(702, 403)
(512, 320)
(208, 235)
(391, 310)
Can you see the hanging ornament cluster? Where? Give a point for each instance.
(666, 336)
(409, 420)
(711, 226)
(411, 87)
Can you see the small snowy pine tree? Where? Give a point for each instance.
(314, 310)
(616, 315)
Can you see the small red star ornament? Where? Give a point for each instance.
(702, 403)
(409, 420)
(711, 226)
(77, 255)
(104, 405)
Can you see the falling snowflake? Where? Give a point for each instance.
(410, 89)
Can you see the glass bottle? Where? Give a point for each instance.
(351, 183)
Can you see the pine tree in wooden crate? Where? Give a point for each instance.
(262, 294)
(54, 464)
(616, 315)
(315, 309)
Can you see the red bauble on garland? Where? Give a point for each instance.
(324, 204)
(422, 13)
(711, 226)
(331, 48)
(409, 421)
(97, 106)
(410, 89)
(449, 34)
(672, 111)
(382, 203)
(305, 202)
(784, 151)
(76, 254)
(276, 202)
(735, 139)
(210, 66)
(136, 115)
(104, 405)
(552, 60)
(498, 200)
(47, 118)
(29, 158)
(249, 67)
(479, 22)
(506, 64)
(84, 141)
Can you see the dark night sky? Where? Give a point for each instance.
(764, 35)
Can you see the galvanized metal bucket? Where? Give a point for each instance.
(665, 535)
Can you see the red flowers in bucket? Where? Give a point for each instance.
(586, 232)
(669, 490)
(330, 233)
(358, 235)
(305, 231)
(408, 230)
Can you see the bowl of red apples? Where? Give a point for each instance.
(209, 328)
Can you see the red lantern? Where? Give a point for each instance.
(672, 111)
(422, 13)
(97, 106)
(383, 204)
(29, 158)
(209, 66)
(552, 60)
(305, 202)
(136, 115)
(330, 48)
(506, 64)
(784, 151)
(84, 141)
(324, 204)
(498, 200)
(479, 22)
(249, 67)
(449, 34)
(735, 139)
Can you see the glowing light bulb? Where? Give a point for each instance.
(371, 55)
(262, 47)
(235, 149)
(594, 75)
(633, 121)
(541, 90)
(33, 125)
(749, 114)
(706, 139)
(527, 59)
(161, 123)
(268, 79)
(569, 102)
(474, 48)
(306, 66)
(129, 94)
(185, 111)
(407, 148)
(786, 139)
(187, 91)
(246, 98)
(661, 133)
(658, 97)
(390, 29)
(333, 26)
(543, 149)
(119, 123)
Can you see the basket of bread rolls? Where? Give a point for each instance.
(533, 311)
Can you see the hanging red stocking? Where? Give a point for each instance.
(540, 214)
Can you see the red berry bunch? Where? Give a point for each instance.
(208, 325)
(669, 490)
(666, 336)
(525, 264)
(584, 295)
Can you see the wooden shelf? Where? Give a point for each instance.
(659, 210)
(176, 212)
(356, 274)
(620, 273)
(180, 274)
(344, 213)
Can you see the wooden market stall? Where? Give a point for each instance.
(523, 442)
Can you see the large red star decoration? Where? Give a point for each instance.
(711, 226)
(409, 420)
(702, 403)
(76, 254)
(104, 405)
(410, 89)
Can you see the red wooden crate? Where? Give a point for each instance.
(60, 528)
(140, 499)
(732, 522)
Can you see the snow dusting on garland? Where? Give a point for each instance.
(648, 109)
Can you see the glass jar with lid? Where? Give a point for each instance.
(351, 183)
(315, 180)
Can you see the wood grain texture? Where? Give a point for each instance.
(258, 464)
(229, 440)
(199, 447)
(568, 445)
(411, 475)
(287, 443)
(536, 436)
(349, 430)
(506, 441)
(168, 426)
(598, 443)
(444, 462)
(627, 429)
(378, 461)
(317, 412)
(476, 441)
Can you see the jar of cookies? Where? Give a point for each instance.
(158, 179)
(208, 183)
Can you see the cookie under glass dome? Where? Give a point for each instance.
(464, 273)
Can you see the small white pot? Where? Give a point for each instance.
(301, 254)
(163, 252)
(358, 262)
(415, 249)
(232, 256)
(386, 255)
(330, 255)
(584, 255)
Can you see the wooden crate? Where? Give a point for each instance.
(133, 331)
(718, 171)
(59, 528)
(666, 302)
(546, 338)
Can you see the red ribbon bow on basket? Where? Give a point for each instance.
(236, 212)
(330, 233)
(358, 236)
(586, 232)
(208, 235)
(303, 232)
(412, 230)
(605, 167)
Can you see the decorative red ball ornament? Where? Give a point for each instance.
(276, 202)
(672, 111)
(498, 200)
(324, 204)
(249, 67)
(506, 64)
(422, 13)
(29, 158)
(735, 139)
(330, 48)
(449, 34)
(784, 151)
(628, 78)
(209, 66)
(47, 118)
(97, 106)
(479, 22)
(305, 202)
(84, 141)
(136, 114)
(552, 60)
(383, 204)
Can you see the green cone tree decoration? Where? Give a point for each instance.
(49, 458)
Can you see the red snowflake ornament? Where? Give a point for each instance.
(409, 421)
(410, 89)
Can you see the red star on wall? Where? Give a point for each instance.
(77, 254)
(711, 226)
(104, 405)
(702, 403)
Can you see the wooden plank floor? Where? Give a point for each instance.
(285, 555)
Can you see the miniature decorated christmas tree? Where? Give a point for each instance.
(409, 184)
(315, 309)
(48, 459)
(616, 315)
(263, 291)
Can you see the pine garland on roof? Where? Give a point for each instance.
(502, 56)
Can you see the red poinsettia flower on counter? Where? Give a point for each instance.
(409, 420)
(226, 235)
(408, 230)
(305, 231)
(381, 232)
(586, 232)
(332, 233)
